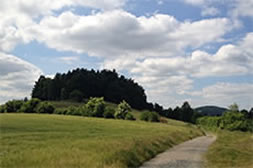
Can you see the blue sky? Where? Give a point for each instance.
(179, 50)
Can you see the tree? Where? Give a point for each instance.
(186, 112)
(251, 114)
(122, 110)
(95, 107)
(76, 95)
(233, 108)
(91, 83)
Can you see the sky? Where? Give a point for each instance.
(200, 51)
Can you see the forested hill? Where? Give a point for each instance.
(80, 84)
(211, 110)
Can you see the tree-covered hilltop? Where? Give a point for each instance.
(82, 84)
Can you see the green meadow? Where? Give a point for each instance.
(59, 141)
(231, 150)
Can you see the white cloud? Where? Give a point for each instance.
(195, 2)
(224, 94)
(243, 8)
(174, 76)
(69, 59)
(17, 77)
(210, 11)
(119, 33)
(17, 16)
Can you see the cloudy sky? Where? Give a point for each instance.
(195, 50)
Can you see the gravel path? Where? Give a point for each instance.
(186, 155)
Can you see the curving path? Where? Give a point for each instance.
(186, 155)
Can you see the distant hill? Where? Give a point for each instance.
(211, 110)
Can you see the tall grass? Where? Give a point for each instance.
(231, 150)
(51, 141)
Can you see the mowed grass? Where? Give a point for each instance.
(231, 150)
(58, 141)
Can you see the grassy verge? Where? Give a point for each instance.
(231, 149)
(51, 141)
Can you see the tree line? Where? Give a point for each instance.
(233, 120)
(82, 84)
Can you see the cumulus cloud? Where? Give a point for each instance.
(210, 11)
(18, 16)
(243, 8)
(119, 33)
(174, 76)
(16, 77)
(224, 94)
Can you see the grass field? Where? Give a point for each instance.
(58, 141)
(231, 150)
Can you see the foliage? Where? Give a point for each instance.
(184, 113)
(150, 116)
(129, 116)
(76, 95)
(109, 112)
(95, 107)
(232, 120)
(122, 110)
(2, 108)
(73, 111)
(209, 122)
(89, 83)
(30, 106)
(235, 121)
(60, 111)
(13, 105)
(45, 107)
(234, 108)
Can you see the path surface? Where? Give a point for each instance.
(186, 155)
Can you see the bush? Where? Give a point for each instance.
(30, 106)
(109, 112)
(74, 111)
(2, 109)
(122, 110)
(95, 107)
(209, 122)
(234, 121)
(13, 105)
(150, 116)
(45, 107)
(129, 116)
(60, 111)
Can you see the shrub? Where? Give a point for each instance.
(60, 111)
(45, 107)
(73, 111)
(234, 121)
(150, 116)
(95, 107)
(30, 106)
(122, 110)
(129, 116)
(109, 112)
(2, 109)
(13, 105)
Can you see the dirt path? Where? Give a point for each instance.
(186, 155)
